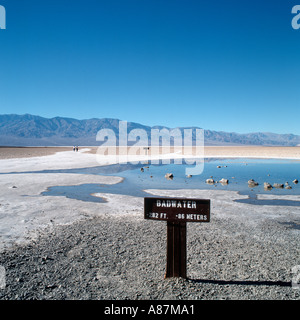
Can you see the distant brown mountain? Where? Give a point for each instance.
(30, 130)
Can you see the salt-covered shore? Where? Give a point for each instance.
(59, 248)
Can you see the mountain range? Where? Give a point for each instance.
(31, 130)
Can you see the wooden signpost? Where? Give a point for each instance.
(177, 212)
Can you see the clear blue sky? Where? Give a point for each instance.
(223, 65)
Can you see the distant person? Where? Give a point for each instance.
(76, 148)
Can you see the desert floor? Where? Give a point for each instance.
(60, 248)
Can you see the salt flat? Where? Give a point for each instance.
(28, 218)
(22, 210)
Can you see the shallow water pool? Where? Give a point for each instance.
(147, 176)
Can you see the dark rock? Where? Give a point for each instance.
(267, 186)
(169, 176)
(278, 185)
(252, 183)
(224, 181)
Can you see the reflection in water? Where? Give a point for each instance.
(153, 177)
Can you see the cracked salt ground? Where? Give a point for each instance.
(93, 259)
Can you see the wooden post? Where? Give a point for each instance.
(176, 249)
(146, 153)
(177, 212)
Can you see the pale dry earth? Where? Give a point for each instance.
(209, 151)
(28, 152)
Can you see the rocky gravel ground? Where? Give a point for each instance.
(124, 257)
